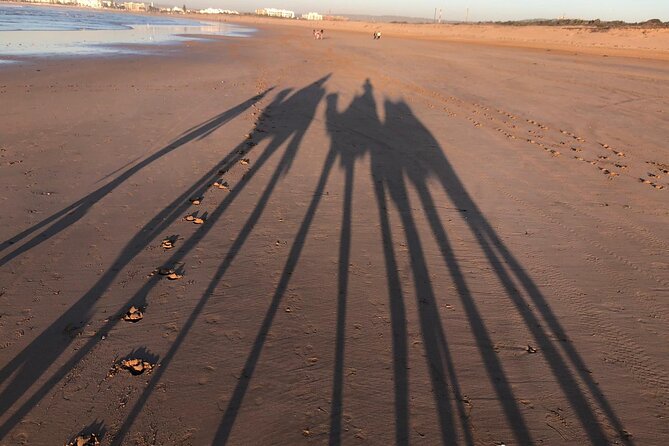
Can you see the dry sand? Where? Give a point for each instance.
(628, 42)
(411, 241)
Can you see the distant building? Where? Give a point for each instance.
(97, 4)
(312, 16)
(273, 12)
(133, 6)
(217, 11)
(173, 10)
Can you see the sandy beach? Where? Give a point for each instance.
(425, 239)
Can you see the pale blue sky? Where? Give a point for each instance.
(630, 10)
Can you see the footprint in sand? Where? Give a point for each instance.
(664, 168)
(609, 173)
(219, 184)
(170, 273)
(168, 242)
(200, 220)
(136, 366)
(85, 440)
(137, 362)
(133, 314)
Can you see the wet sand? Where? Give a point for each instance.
(397, 241)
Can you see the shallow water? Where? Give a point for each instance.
(48, 31)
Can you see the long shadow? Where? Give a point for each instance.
(71, 214)
(291, 119)
(29, 364)
(350, 132)
(417, 156)
(347, 155)
(362, 114)
(388, 166)
(356, 131)
(232, 409)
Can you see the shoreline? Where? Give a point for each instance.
(104, 33)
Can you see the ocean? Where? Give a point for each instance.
(38, 31)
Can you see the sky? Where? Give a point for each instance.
(628, 10)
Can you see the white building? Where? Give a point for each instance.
(85, 3)
(217, 11)
(134, 6)
(273, 12)
(90, 3)
(312, 16)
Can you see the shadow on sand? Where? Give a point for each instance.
(29, 365)
(403, 157)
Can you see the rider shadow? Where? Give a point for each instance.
(355, 132)
(413, 158)
(404, 156)
(349, 146)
